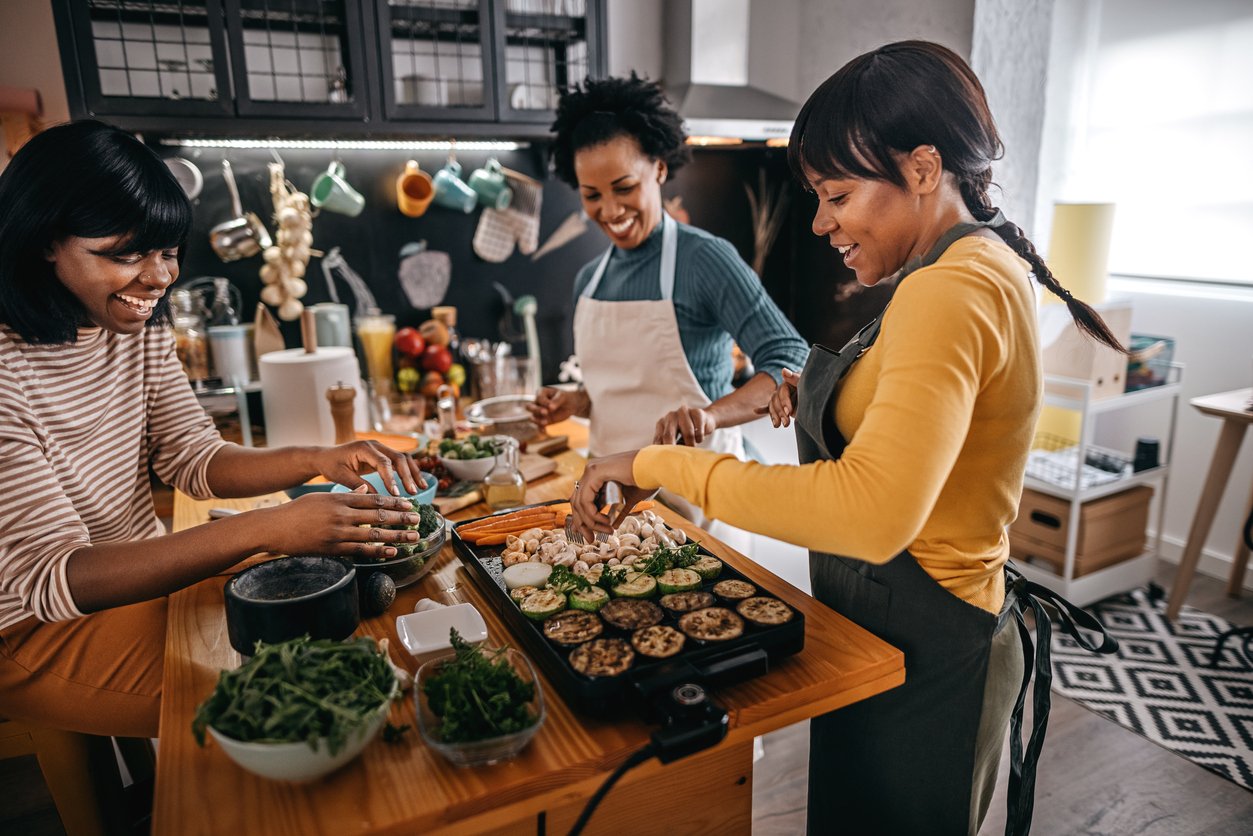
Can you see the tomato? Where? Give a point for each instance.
(410, 342)
(436, 358)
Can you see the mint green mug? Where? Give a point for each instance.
(331, 191)
(451, 191)
(490, 185)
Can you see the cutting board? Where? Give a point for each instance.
(532, 465)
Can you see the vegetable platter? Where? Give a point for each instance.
(611, 621)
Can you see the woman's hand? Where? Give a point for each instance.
(345, 463)
(351, 524)
(782, 406)
(686, 425)
(553, 405)
(585, 501)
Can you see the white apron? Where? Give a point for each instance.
(635, 372)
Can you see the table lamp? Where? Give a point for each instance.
(1079, 249)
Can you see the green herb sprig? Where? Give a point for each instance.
(669, 558)
(564, 579)
(299, 690)
(478, 694)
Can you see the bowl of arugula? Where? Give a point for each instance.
(478, 706)
(299, 709)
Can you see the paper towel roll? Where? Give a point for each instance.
(1079, 249)
(293, 392)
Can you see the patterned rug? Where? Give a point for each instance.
(1161, 686)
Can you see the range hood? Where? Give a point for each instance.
(712, 71)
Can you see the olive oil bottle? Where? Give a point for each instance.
(504, 486)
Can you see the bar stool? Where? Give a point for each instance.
(65, 758)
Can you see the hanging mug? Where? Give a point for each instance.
(490, 185)
(331, 191)
(451, 191)
(414, 190)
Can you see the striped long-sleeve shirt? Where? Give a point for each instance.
(717, 298)
(80, 423)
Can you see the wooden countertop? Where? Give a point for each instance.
(408, 788)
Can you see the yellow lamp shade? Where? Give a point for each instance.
(1079, 249)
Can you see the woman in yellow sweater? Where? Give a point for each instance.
(912, 456)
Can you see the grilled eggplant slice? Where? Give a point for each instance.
(708, 567)
(631, 613)
(687, 601)
(678, 580)
(658, 641)
(590, 599)
(712, 624)
(732, 590)
(764, 612)
(541, 604)
(572, 627)
(602, 657)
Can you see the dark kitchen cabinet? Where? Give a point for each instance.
(285, 67)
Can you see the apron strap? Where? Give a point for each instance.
(1022, 766)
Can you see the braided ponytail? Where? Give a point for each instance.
(974, 191)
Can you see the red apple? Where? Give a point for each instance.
(410, 342)
(436, 358)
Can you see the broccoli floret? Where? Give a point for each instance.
(430, 520)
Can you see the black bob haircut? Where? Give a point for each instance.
(89, 180)
(600, 111)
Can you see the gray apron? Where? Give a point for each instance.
(904, 760)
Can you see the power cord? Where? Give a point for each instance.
(641, 755)
(1244, 633)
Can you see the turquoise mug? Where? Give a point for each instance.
(331, 191)
(490, 185)
(451, 191)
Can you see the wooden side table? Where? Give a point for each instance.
(1232, 408)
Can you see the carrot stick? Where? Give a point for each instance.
(509, 529)
(510, 522)
(505, 519)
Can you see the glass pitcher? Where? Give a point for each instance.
(505, 486)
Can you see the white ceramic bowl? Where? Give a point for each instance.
(297, 761)
(469, 470)
(426, 632)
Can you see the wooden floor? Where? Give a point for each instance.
(1095, 777)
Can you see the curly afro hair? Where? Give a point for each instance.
(599, 111)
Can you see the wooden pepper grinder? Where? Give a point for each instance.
(342, 396)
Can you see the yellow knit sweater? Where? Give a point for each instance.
(939, 414)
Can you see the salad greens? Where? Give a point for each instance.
(472, 447)
(478, 694)
(299, 690)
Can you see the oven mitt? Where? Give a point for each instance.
(499, 232)
(424, 275)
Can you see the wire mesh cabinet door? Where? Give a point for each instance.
(436, 60)
(139, 58)
(545, 46)
(298, 58)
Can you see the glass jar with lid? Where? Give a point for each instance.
(191, 340)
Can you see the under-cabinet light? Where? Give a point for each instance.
(349, 144)
(705, 141)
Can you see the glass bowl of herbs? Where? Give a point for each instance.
(299, 709)
(478, 706)
(412, 560)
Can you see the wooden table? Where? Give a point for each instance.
(1233, 408)
(408, 788)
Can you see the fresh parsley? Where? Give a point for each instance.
(477, 694)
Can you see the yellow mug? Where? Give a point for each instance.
(414, 190)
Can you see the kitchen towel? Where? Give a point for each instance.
(424, 275)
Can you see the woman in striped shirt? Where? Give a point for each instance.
(92, 395)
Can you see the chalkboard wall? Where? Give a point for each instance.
(802, 273)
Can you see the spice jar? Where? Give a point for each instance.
(191, 340)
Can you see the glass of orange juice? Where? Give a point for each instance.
(376, 331)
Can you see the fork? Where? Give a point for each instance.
(611, 495)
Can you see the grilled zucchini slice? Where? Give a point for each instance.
(708, 567)
(541, 604)
(678, 580)
(590, 599)
(636, 585)
(519, 595)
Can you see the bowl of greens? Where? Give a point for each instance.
(300, 709)
(469, 459)
(412, 560)
(478, 705)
